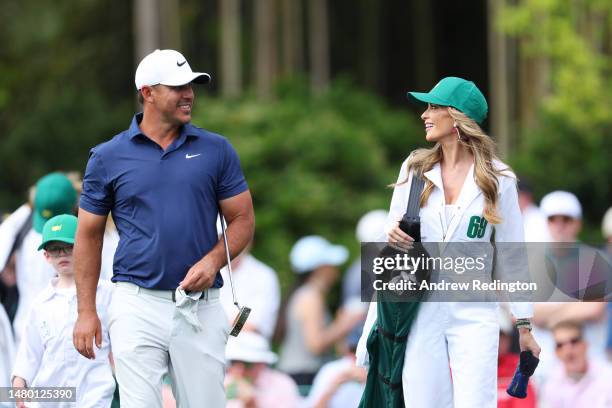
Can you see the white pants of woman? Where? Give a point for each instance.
(149, 338)
(451, 356)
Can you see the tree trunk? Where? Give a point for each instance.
(371, 56)
(170, 24)
(534, 81)
(146, 28)
(230, 73)
(293, 37)
(146, 31)
(500, 101)
(424, 44)
(265, 49)
(319, 44)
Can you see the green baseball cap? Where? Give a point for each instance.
(59, 228)
(54, 195)
(457, 93)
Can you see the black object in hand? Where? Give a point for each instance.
(527, 365)
(412, 227)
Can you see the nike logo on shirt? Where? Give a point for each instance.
(191, 156)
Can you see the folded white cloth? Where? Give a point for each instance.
(187, 306)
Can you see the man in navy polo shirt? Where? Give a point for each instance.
(163, 179)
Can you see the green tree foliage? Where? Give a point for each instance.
(63, 86)
(570, 148)
(314, 164)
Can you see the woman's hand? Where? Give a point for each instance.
(528, 343)
(399, 239)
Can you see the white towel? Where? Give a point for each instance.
(187, 305)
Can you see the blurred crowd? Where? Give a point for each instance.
(296, 350)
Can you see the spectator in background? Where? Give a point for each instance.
(564, 214)
(580, 381)
(534, 221)
(507, 362)
(250, 382)
(370, 228)
(339, 383)
(110, 243)
(20, 234)
(256, 284)
(606, 226)
(606, 229)
(9, 295)
(310, 334)
(7, 353)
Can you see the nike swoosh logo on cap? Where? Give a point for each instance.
(191, 156)
(181, 64)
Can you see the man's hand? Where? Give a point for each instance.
(86, 329)
(200, 276)
(527, 342)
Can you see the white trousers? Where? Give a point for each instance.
(149, 338)
(451, 356)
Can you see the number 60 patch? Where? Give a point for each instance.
(477, 227)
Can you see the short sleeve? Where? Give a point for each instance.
(231, 181)
(30, 351)
(96, 197)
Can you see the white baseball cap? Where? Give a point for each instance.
(371, 226)
(167, 67)
(561, 203)
(314, 251)
(249, 347)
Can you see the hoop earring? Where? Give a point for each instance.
(458, 133)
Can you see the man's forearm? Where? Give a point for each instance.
(87, 259)
(239, 234)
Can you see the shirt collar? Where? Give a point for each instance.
(134, 130)
(50, 291)
(435, 176)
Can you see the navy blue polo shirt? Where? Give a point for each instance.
(164, 203)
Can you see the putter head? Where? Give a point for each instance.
(240, 320)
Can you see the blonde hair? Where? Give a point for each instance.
(482, 148)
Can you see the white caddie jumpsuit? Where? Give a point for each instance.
(457, 337)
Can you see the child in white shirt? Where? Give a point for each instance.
(46, 356)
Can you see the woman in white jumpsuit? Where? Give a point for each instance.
(468, 193)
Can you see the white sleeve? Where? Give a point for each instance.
(510, 230)
(320, 384)
(399, 201)
(30, 351)
(7, 349)
(362, 357)
(397, 209)
(9, 230)
(264, 301)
